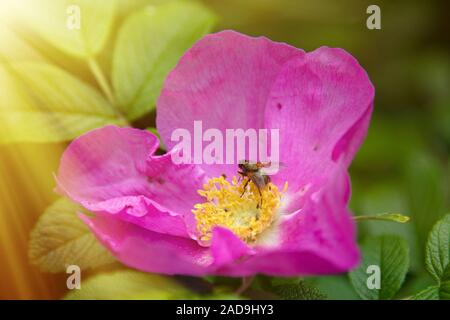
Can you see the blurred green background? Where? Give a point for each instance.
(403, 165)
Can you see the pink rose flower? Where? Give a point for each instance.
(158, 216)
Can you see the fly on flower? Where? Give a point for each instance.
(253, 172)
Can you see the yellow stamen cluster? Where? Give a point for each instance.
(247, 215)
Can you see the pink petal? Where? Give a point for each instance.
(106, 163)
(282, 263)
(174, 186)
(149, 251)
(318, 239)
(112, 170)
(224, 80)
(324, 226)
(321, 103)
(178, 188)
(226, 247)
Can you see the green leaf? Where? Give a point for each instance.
(391, 255)
(437, 261)
(438, 249)
(128, 284)
(336, 287)
(394, 217)
(298, 291)
(444, 291)
(127, 6)
(13, 48)
(60, 239)
(149, 45)
(42, 103)
(430, 293)
(416, 282)
(55, 21)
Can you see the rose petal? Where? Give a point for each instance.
(149, 251)
(226, 247)
(112, 170)
(318, 239)
(106, 163)
(174, 186)
(324, 225)
(224, 80)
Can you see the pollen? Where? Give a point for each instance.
(246, 214)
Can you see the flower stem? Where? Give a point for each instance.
(246, 283)
(105, 87)
(394, 217)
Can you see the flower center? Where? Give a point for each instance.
(247, 213)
